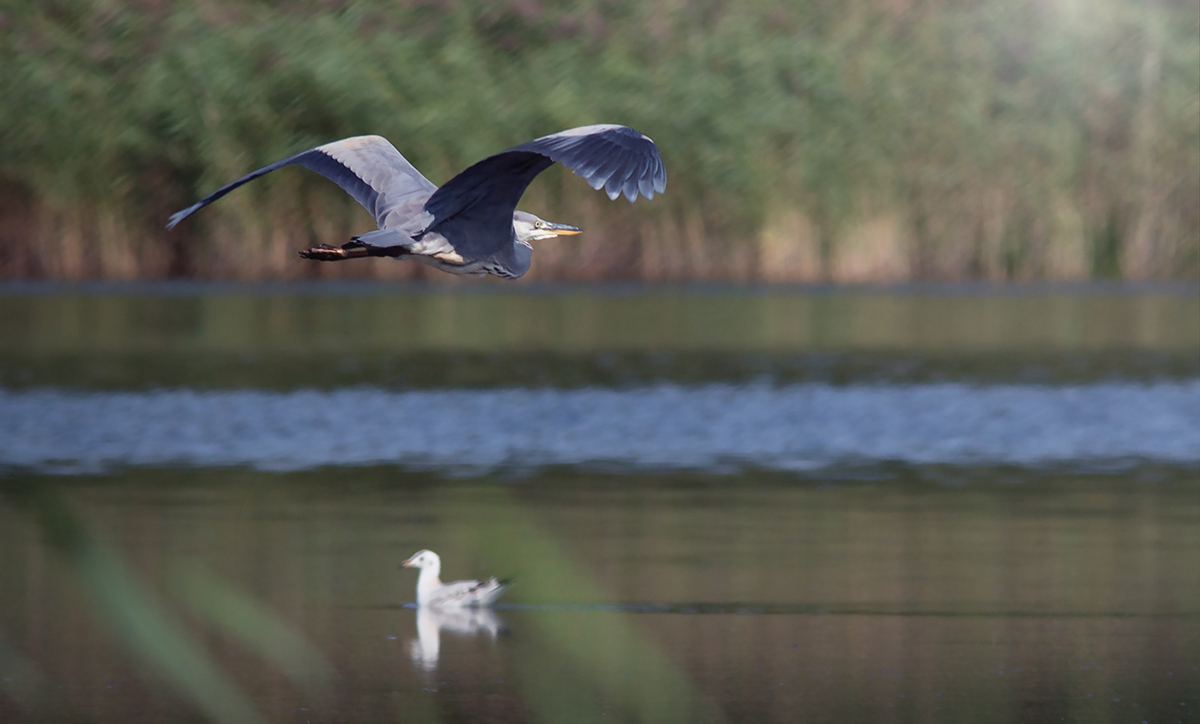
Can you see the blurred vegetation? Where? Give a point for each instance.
(603, 656)
(151, 634)
(859, 140)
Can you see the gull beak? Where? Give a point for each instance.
(408, 564)
(561, 229)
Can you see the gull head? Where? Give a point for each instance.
(422, 560)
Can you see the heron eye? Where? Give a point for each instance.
(537, 224)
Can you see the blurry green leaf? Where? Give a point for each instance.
(255, 627)
(160, 644)
(608, 657)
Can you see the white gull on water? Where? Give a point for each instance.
(456, 594)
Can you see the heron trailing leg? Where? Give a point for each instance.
(327, 252)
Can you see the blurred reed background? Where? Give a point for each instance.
(835, 140)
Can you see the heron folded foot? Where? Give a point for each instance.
(325, 252)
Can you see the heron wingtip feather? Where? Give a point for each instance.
(179, 216)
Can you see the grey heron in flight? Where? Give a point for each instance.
(470, 225)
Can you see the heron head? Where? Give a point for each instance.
(528, 227)
(423, 559)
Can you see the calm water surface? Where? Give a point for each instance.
(718, 505)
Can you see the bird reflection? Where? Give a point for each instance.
(460, 621)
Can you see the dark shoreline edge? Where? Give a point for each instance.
(457, 287)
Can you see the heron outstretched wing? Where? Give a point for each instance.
(483, 197)
(367, 167)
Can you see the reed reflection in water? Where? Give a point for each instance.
(251, 337)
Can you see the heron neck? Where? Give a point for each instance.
(515, 257)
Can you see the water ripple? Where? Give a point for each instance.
(707, 427)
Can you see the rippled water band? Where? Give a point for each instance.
(708, 427)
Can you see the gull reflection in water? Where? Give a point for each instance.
(460, 621)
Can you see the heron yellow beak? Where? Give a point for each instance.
(561, 229)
